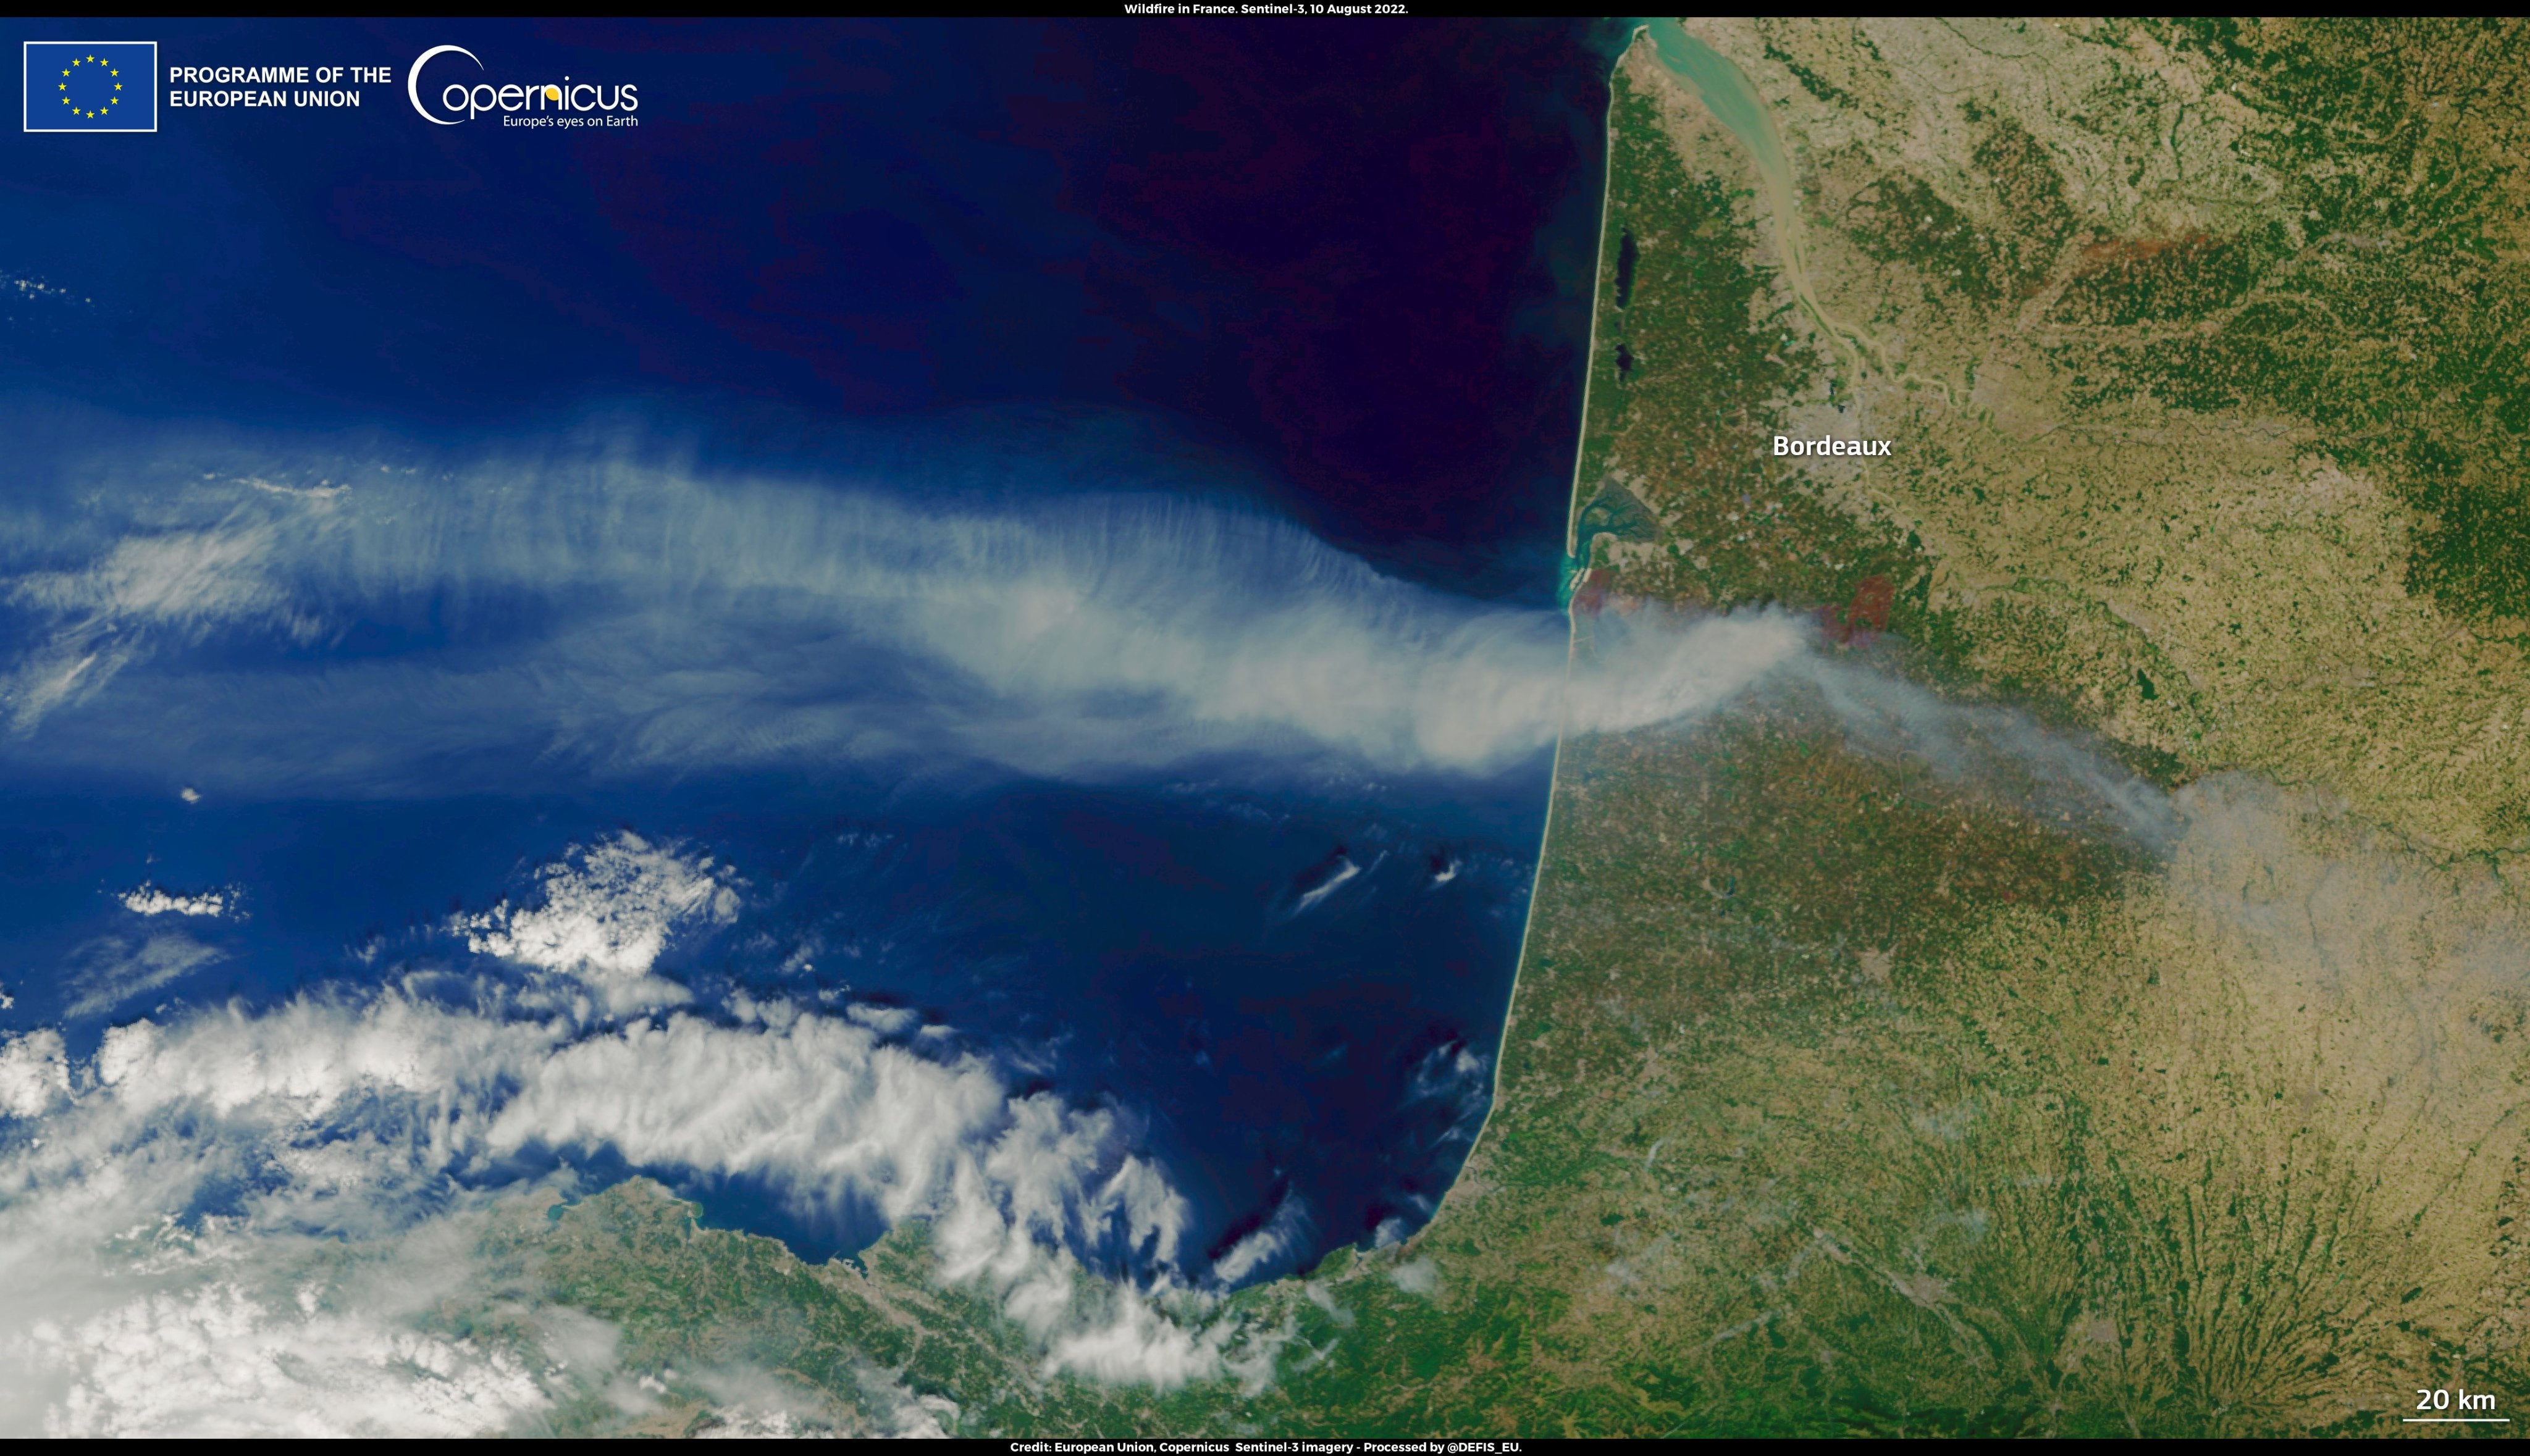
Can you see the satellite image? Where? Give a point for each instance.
(1304, 730)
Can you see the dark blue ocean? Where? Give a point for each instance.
(1050, 512)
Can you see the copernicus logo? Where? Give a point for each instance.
(450, 97)
(90, 85)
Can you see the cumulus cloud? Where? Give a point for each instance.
(326, 1121)
(1342, 873)
(34, 1074)
(1417, 1276)
(903, 1413)
(350, 1117)
(150, 899)
(594, 617)
(1269, 1247)
(123, 1321)
(819, 1104)
(607, 909)
(1454, 1076)
(604, 914)
(215, 1361)
(1140, 1345)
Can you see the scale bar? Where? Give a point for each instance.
(2458, 1421)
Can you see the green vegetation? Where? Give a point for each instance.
(1688, 433)
(2179, 280)
(2387, 301)
(1900, 219)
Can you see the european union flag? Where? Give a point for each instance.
(91, 85)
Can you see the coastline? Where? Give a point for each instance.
(1572, 647)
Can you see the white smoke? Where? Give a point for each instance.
(1997, 751)
(604, 618)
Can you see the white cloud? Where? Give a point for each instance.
(152, 583)
(1417, 1276)
(245, 1325)
(820, 1105)
(216, 1362)
(748, 1403)
(1344, 870)
(586, 617)
(605, 915)
(343, 1117)
(34, 1074)
(887, 1021)
(1140, 1345)
(1448, 1073)
(906, 1414)
(150, 899)
(1277, 1239)
(108, 971)
(342, 1123)
(739, 1422)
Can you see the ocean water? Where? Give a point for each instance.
(1059, 521)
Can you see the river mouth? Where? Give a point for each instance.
(1725, 92)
